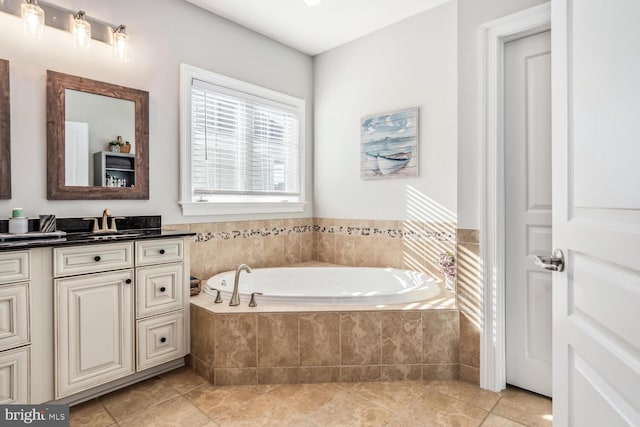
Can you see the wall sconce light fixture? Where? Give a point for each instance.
(81, 31)
(82, 27)
(121, 43)
(32, 18)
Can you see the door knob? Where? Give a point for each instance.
(555, 262)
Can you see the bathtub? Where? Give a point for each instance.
(328, 285)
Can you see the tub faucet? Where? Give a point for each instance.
(235, 298)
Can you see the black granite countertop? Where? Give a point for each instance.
(76, 239)
(77, 231)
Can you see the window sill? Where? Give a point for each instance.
(211, 208)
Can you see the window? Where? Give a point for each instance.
(242, 147)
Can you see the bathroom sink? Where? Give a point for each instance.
(92, 237)
(113, 236)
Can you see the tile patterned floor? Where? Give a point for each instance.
(182, 398)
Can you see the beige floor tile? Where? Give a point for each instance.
(90, 413)
(348, 385)
(175, 412)
(122, 403)
(404, 421)
(498, 421)
(524, 407)
(157, 402)
(467, 392)
(183, 380)
(437, 409)
(264, 410)
(351, 410)
(395, 396)
(306, 398)
(215, 400)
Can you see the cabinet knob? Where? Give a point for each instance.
(163, 339)
(128, 281)
(97, 258)
(162, 289)
(161, 251)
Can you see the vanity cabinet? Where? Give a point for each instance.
(94, 317)
(15, 333)
(119, 310)
(14, 376)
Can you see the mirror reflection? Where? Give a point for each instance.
(100, 146)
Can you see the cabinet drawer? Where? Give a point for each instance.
(14, 267)
(159, 251)
(160, 339)
(159, 289)
(14, 376)
(14, 315)
(92, 258)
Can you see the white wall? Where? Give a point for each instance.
(411, 63)
(163, 34)
(471, 15)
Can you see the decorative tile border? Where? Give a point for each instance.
(253, 232)
(384, 232)
(393, 233)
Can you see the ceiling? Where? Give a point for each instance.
(315, 29)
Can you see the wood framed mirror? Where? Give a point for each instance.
(5, 132)
(86, 121)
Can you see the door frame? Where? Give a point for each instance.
(494, 35)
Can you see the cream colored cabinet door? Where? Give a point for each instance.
(94, 330)
(14, 376)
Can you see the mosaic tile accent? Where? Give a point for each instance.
(332, 230)
(254, 232)
(384, 232)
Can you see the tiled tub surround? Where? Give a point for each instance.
(323, 346)
(469, 301)
(271, 345)
(222, 246)
(411, 245)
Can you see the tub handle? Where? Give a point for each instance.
(218, 297)
(252, 301)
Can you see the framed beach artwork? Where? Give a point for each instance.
(389, 145)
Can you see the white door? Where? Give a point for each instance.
(94, 341)
(596, 212)
(527, 151)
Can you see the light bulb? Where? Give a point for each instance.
(121, 44)
(81, 31)
(312, 2)
(32, 18)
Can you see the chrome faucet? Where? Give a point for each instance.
(235, 298)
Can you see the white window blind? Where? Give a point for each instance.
(243, 146)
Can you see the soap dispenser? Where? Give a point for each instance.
(18, 224)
